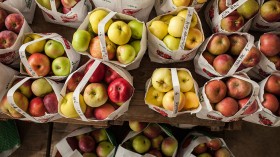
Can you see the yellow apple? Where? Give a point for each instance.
(179, 3)
(176, 26)
(166, 18)
(192, 90)
(194, 39)
(201, 1)
(35, 47)
(171, 42)
(161, 80)
(183, 14)
(158, 29)
(168, 101)
(185, 80)
(154, 97)
(119, 33)
(67, 106)
(192, 101)
(96, 17)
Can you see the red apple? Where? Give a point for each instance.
(209, 57)
(119, 91)
(251, 109)
(223, 152)
(222, 5)
(89, 112)
(237, 44)
(51, 103)
(270, 102)
(110, 75)
(199, 149)
(36, 107)
(214, 144)
(14, 22)
(152, 131)
(69, 3)
(232, 23)
(102, 112)
(227, 107)
(155, 153)
(7, 39)
(215, 91)
(3, 15)
(98, 74)
(273, 85)
(223, 63)
(40, 64)
(86, 144)
(74, 81)
(65, 10)
(218, 44)
(275, 60)
(269, 44)
(270, 11)
(95, 48)
(238, 88)
(252, 58)
(73, 142)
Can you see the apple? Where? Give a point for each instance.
(69, 3)
(89, 112)
(194, 39)
(61, 66)
(96, 17)
(272, 85)
(215, 91)
(223, 152)
(99, 135)
(166, 18)
(156, 142)
(176, 26)
(39, 63)
(204, 155)
(141, 144)
(119, 91)
(201, 148)
(154, 97)
(169, 146)
(47, 4)
(36, 107)
(232, 23)
(3, 15)
(237, 44)
(185, 80)
(155, 153)
(223, 63)
(136, 29)
(270, 102)
(81, 40)
(86, 144)
(119, 32)
(168, 101)
(126, 54)
(209, 57)
(25, 89)
(214, 144)
(95, 95)
(65, 10)
(222, 5)
(218, 44)
(227, 107)
(74, 81)
(270, 11)
(98, 74)
(192, 101)
(251, 109)
(252, 58)
(95, 48)
(104, 149)
(179, 3)
(89, 155)
(14, 22)
(194, 21)
(276, 61)
(67, 105)
(102, 112)
(110, 75)
(238, 88)
(35, 47)
(53, 49)
(41, 87)
(248, 9)
(51, 103)
(152, 131)
(171, 42)
(73, 142)
(136, 44)
(7, 39)
(159, 29)
(137, 126)
(270, 44)
(161, 80)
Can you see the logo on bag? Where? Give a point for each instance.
(213, 117)
(184, 57)
(208, 73)
(160, 111)
(263, 120)
(66, 43)
(163, 55)
(49, 15)
(7, 58)
(130, 11)
(71, 18)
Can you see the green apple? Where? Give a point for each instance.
(54, 49)
(119, 33)
(95, 95)
(136, 29)
(171, 42)
(158, 29)
(20, 100)
(67, 106)
(35, 47)
(41, 87)
(168, 146)
(141, 144)
(81, 40)
(96, 17)
(248, 9)
(136, 44)
(161, 80)
(47, 4)
(154, 97)
(104, 148)
(99, 135)
(126, 54)
(176, 26)
(61, 66)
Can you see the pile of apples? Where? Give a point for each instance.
(35, 97)
(46, 57)
(229, 95)
(222, 51)
(123, 38)
(161, 92)
(10, 26)
(63, 6)
(169, 28)
(152, 140)
(92, 144)
(104, 92)
(235, 20)
(270, 11)
(270, 46)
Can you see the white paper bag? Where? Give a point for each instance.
(4, 81)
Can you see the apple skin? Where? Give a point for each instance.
(251, 109)
(270, 11)
(119, 32)
(276, 61)
(273, 85)
(238, 88)
(119, 91)
(14, 22)
(270, 102)
(152, 131)
(232, 23)
(126, 54)
(95, 48)
(136, 29)
(209, 57)
(270, 44)
(104, 149)
(40, 64)
(252, 58)
(110, 75)
(155, 152)
(161, 80)
(47, 4)
(25, 89)
(95, 94)
(61, 66)
(136, 44)
(36, 107)
(166, 18)
(51, 103)
(81, 40)
(176, 26)
(159, 29)
(218, 44)
(7, 39)
(215, 91)
(98, 74)
(35, 47)
(137, 126)
(194, 39)
(156, 142)
(86, 144)
(41, 87)
(99, 135)
(192, 101)
(171, 42)
(74, 81)
(168, 146)
(204, 155)
(183, 13)
(96, 17)
(3, 15)
(179, 3)
(223, 63)
(248, 9)
(53, 49)
(185, 80)
(168, 101)
(214, 144)
(201, 148)
(154, 97)
(67, 105)
(222, 5)
(89, 112)
(141, 144)
(237, 44)
(102, 112)
(223, 152)
(69, 3)
(227, 107)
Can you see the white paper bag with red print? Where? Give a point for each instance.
(4, 81)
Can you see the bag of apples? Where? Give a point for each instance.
(269, 102)
(86, 141)
(12, 26)
(172, 92)
(138, 9)
(175, 36)
(47, 55)
(231, 15)
(4, 81)
(26, 7)
(33, 99)
(154, 140)
(224, 54)
(228, 98)
(97, 91)
(69, 13)
(197, 144)
(121, 39)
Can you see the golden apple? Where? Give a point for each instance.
(168, 101)
(192, 101)
(194, 39)
(166, 18)
(179, 3)
(35, 47)
(183, 14)
(185, 80)
(96, 17)
(158, 29)
(176, 26)
(67, 106)
(154, 97)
